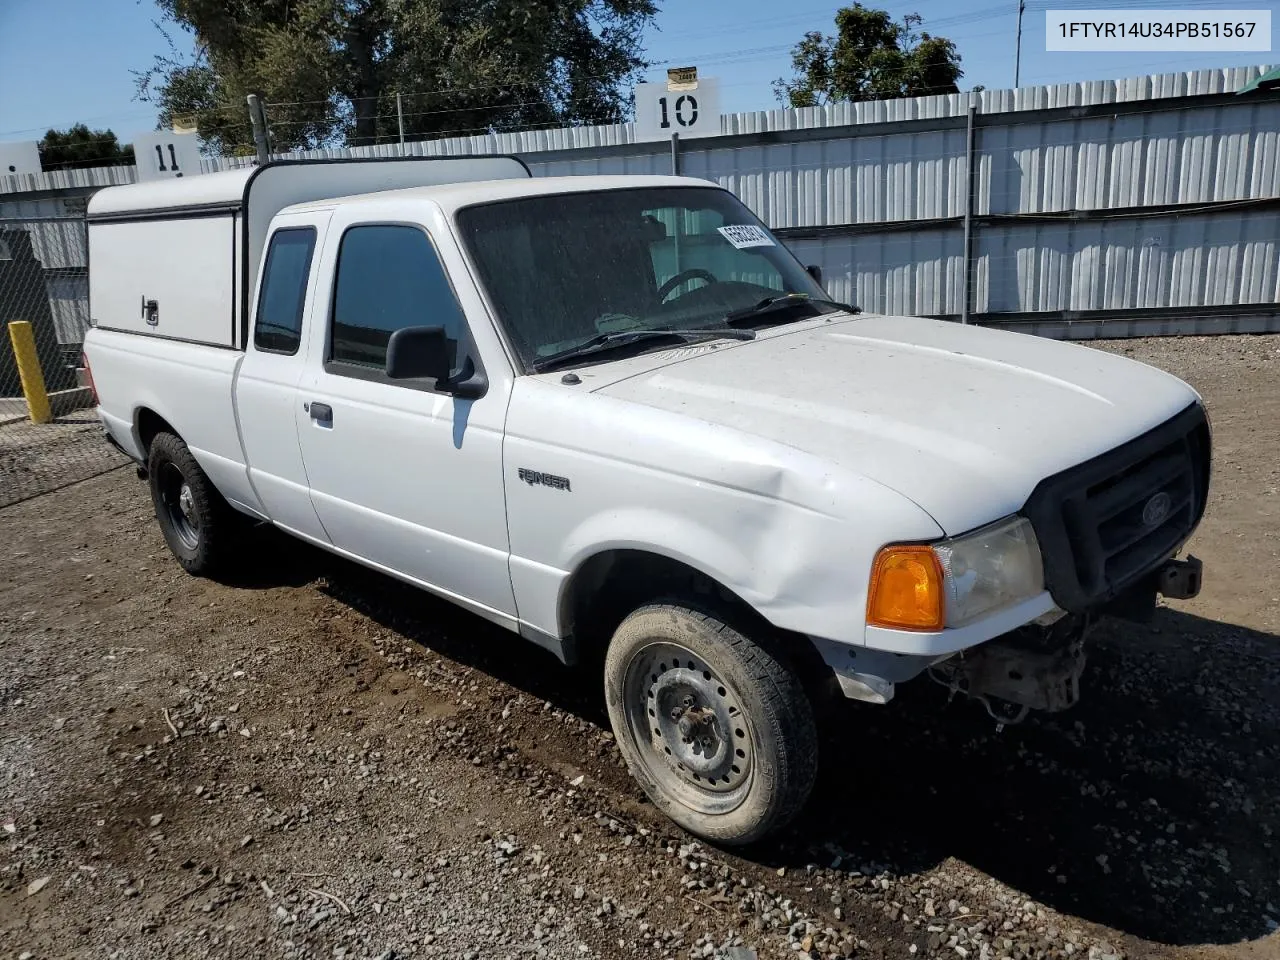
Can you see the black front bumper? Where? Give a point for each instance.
(1109, 528)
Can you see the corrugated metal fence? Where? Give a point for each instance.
(1111, 208)
(1138, 206)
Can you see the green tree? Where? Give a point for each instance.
(872, 57)
(329, 70)
(78, 146)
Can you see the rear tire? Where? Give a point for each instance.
(714, 726)
(197, 523)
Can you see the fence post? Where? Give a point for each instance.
(1017, 55)
(258, 118)
(971, 176)
(24, 352)
(400, 119)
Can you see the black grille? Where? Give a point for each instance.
(1106, 524)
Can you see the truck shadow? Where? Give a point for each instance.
(269, 558)
(1152, 807)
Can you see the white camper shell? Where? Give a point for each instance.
(179, 258)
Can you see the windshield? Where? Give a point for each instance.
(563, 269)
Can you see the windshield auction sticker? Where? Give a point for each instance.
(744, 235)
(1178, 31)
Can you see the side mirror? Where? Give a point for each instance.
(815, 271)
(416, 353)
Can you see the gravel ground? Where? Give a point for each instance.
(315, 761)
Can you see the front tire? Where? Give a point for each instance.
(196, 522)
(714, 726)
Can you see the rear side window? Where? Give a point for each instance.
(278, 327)
(389, 277)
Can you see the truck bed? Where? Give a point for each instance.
(191, 387)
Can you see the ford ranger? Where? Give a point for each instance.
(617, 416)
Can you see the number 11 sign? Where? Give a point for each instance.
(161, 156)
(661, 111)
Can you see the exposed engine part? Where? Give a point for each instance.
(1029, 669)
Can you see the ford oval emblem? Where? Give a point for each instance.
(1156, 510)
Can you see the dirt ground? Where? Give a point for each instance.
(315, 761)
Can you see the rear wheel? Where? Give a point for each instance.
(714, 726)
(196, 522)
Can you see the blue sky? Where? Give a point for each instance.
(63, 61)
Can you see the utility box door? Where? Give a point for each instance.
(172, 278)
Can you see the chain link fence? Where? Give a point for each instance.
(44, 280)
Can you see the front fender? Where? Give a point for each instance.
(792, 535)
(801, 570)
(693, 544)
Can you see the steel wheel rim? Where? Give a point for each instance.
(688, 727)
(179, 505)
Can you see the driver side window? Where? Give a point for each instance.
(388, 277)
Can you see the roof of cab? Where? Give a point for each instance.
(452, 196)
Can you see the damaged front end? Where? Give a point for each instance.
(1037, 667)
(1034, 667)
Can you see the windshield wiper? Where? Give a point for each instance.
(780, 303)
(604, 342)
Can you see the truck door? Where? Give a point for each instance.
(402, 476)
(266, 387)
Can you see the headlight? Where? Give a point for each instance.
(990, 569)
(955, 582)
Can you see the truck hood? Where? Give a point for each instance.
(962, 420)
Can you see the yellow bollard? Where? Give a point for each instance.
(24, 351)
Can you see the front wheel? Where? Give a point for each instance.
(715, 727)
(196, 522)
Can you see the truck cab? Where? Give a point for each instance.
(616, 416)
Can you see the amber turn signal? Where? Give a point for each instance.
(906, 590)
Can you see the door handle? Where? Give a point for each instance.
(320, 412)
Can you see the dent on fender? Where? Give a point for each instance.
(770, 557)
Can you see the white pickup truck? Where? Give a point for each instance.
(617, 416)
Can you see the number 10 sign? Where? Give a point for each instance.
(163, 155)
(660, 111)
